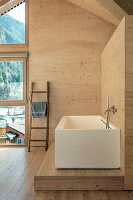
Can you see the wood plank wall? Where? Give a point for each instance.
(129, 105)
(65, 45)
(113, 80)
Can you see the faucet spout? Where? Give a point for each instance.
(108, 111)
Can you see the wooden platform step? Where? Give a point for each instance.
(48, 178)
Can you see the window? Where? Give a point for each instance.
(12, 100)
(11, 80)
(12, 124)
(12, 25)
(13, 73)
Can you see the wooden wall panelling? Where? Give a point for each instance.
(129, 105)
(65, 44)
(113, 81)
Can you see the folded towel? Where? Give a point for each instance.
(38, 109)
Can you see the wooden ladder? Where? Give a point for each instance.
(47, 121)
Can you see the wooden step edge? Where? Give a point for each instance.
(72, 183)
(73, 177)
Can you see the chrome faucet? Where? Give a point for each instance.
(112, 109)
(108, 111)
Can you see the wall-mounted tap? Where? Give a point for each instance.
(112, 109)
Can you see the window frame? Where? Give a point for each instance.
(12, 47)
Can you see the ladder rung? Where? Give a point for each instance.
(39, 91)
(39, 128)
(37, 146)
(38, 140)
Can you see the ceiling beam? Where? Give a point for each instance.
(126, 5)
(2, 2)
(106, 9)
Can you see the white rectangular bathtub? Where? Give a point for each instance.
(84, 142)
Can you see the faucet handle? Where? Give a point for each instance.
(113, 109)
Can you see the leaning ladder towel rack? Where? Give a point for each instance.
(47, 121)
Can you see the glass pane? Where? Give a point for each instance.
(12, 124)
(11, 80)
(12, 26)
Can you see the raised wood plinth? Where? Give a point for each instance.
(48, 178)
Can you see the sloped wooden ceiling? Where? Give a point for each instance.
(126, 5)
(2, 2)
(106, 9)
(110, 10)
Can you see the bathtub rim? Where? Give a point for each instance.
(62, 121)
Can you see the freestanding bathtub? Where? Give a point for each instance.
(84, 142)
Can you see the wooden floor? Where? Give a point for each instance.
(17, 170)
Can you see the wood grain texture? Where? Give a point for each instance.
(65, 48)
(17, 170)
(106, 9)
(49, 178)
(85, 195)
(113, 81)
(129, 105)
